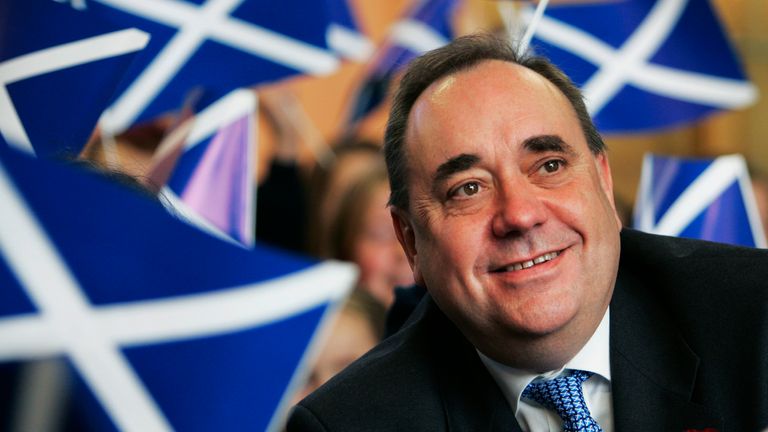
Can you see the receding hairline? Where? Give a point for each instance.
(465, 69)
(523, 72)
(464, 54)
(434, 89)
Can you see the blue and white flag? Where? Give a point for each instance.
(165, 326)
(645, 64)
(708, 199)
(428, 25)
(207, 168)
(58, 71)
(344, 36)
(213, 45)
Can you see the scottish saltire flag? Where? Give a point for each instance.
(216, 45)
(207, 168)
(708, 199)
(425, 27)
(58, 71)
(165, 326)
(645, 64)
(344, 36)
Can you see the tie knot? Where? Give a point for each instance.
(565, 396)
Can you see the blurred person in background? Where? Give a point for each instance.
(281, 194)
(356, 329)
(760, 189)
(352, 159)
(362, 233)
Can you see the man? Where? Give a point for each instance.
(542, 313)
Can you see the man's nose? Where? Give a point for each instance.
(519, 207)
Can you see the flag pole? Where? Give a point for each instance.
(508, 14)
(523, 47)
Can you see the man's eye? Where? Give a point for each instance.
(552, 166)
(467, 189)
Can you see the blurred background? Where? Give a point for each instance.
(324, 101)
(320, 185)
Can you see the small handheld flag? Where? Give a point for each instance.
(209, 167)
(699, 198)
(58, 71)
(216, 45)
(164, 326)
(645, 64)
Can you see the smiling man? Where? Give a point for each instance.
(542, 314)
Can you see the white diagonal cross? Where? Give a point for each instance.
(697, 197)
(416, 36)
(629, 65)
(56, 293)
(26, 337)
(211, 21)
(91, 337)
(349, 43)
(52, 59)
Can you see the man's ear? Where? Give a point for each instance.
(407, 238)
(606, 181)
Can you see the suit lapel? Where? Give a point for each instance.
(471, 398)
(653, 370)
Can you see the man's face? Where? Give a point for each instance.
(511, 224)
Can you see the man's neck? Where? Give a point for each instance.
(593, 357)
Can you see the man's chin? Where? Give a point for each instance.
(532, 327)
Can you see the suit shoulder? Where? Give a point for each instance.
(303, 420)
(696, 279)
(652, 245)
(699, 261)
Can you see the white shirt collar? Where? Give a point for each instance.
(594, 356)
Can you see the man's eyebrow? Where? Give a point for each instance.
(547, 143)
(455, 164)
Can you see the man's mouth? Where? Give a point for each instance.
(541, 259)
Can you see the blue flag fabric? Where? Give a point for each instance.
(428, 25)
(708, 199)
(344, 35)
(213, 45)
(645, 65)
(58, 71)
(165, 326)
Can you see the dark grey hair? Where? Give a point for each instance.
(461, 54)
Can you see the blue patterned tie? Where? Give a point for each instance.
(565, 396)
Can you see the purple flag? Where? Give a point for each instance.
(212, 180)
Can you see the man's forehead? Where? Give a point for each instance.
(490, 74)
(492, 112)
(491, 83)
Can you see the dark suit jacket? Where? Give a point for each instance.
(689, 351)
